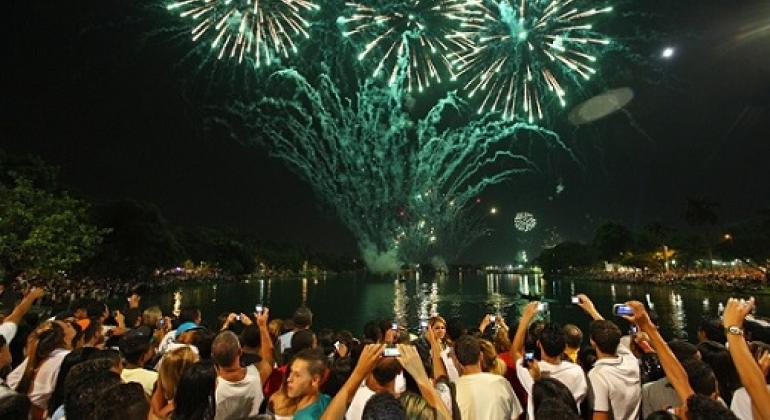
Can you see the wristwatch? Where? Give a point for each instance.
(734, 330)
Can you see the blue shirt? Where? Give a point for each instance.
(315, 410)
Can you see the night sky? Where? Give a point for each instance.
(87, 89)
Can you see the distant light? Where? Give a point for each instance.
(668, 52)
(493, 210)
(728, 236)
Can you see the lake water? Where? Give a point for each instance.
(348, 302)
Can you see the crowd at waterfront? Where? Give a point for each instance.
(743, 279)
(89, 362)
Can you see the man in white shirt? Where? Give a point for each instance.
(615, 379)
(552, 344)
(239, 389)
(136, 351)
(382, 379)
(481, 395)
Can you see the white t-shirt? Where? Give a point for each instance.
(741, 404)
(449, 364)
(8, 330)
(284, 341)
(616, 385)
(239, 400)
(482, 396)
(570, 374)
(145, 377)
(45, 379)
(356, 409)
(167, 340)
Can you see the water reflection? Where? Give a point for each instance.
(678, 317)
(177, 303)
(304, 291)
(400, 302)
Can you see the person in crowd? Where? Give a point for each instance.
(5, 357)
(382, 379)
(11, 321)
(74, 357)
(481, 395)
(239, 391)
(36, 375)
(127, 401)
(718, 358)
(438, 326)
(84, 386)
(195, 397)
(136, 349)
(302, 320)
(710, 329)
(573, 338)
(659, 395)
(551, 344)
(301, 396)
(14, 405)
(552, 392)
(490, 362)
(175, 362)
(383, 406)
(697, 406)
(752, 377)
(189, 317)
(615, 379)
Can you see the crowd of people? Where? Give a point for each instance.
(745, 279)
(89, 362)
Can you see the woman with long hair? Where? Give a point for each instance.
(438, 328)
(36, 376)
(195, 393)
(171, 370)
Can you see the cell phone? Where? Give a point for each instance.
(542, 307)
(575, 300)
(394, 326)
(423, 324)
(259, 308)
(528, 357)
(620, 309)
(633, 330)
(391, 352)
(237, 317)
(492, 319)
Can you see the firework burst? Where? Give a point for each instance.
(526, 52)
(262, 30)
(418, 35)
(524, 221)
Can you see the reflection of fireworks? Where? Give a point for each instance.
(523, 54)
(263, 29)
(422, 32)
(524, 221)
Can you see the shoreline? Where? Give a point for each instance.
(700, 281)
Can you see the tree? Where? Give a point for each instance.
(566, 256)
(42, 232)
(611, 240)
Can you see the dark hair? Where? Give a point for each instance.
(573, 336)
(301, 340)
(70, 360)
(468, 350)
(109, 354)
(555, 409)
(225, 348)
(717, 356)
(549, 389)
(713, 330)
(203, 339)
(188, 314)
(132, 316)
(96, 309)
(383, 406)
(386, 370)
(606, 335)
(250, 336)
(124, 401)
(316, 361)
(682, 349)
(15, 406)
(372, 331)
(133, 349)
(194, 398)
(326, 340)
(552, 339)
(83, 388)
(93, 330)
(302, 317)
(586, 358)
(455, 328)
(700, 376)
(661, 415)
(701, 407)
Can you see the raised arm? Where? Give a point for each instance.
(439, 369)
(587, 305)
(23, 307)
(411, 361)
(675, 373)
(265, 344)
(748, 369)
(517, 347)
(339, 404)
